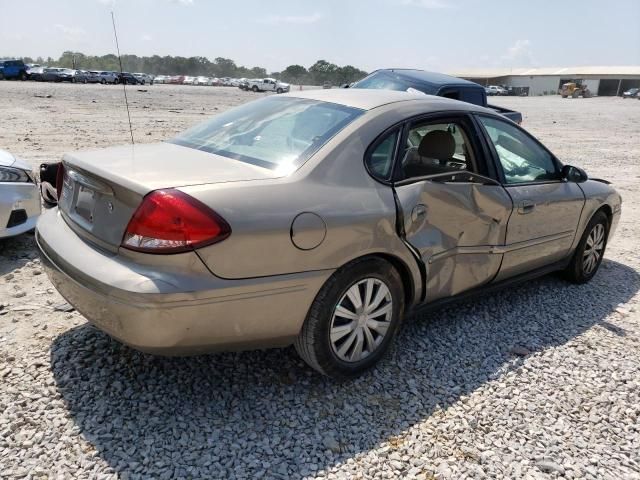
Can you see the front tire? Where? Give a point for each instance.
(353, 319)
(279, 91)
(588, 255)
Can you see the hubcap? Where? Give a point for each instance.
(593, 249)
(361, 320)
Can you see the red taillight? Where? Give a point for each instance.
(169, 221)
(59, 179)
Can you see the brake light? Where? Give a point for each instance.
(170, 221)
(59, 180)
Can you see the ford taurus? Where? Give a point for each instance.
(318, 219)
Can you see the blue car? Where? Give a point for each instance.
(11, 69)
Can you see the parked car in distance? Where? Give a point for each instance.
(66, 75)
(93, 76)
(106, 77)
(202, 81)
(496, 90)
(35, 73)
(144, 78)
(19, 196)
(631, 93)
(177, 79)
(378, 203)
(81, 76)
(268, 85)
(128, 79)
(432, 83)
(327, 85)
(160, 79)
(13, 69)
(244, 84)
(55, 74)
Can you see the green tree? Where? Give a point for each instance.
(294, 73)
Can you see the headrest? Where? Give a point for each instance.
(438, 144)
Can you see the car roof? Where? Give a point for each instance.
(432, 78)
(367, 99)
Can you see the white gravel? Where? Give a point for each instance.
(539, 381)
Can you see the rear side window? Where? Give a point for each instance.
(379, 161)
(436, 148)
(475, 96)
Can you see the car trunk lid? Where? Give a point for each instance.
(103, 188)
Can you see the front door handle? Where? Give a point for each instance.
(526, 206)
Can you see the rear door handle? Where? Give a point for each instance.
(526, 206)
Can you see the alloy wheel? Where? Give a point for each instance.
(361, 320)
(593, 249)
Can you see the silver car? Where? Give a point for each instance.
(319, 219)
(19, 196)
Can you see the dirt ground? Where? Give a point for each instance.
(41, 121)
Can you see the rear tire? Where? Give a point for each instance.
(590, 250)
(343, 344)
(254, 89)
(103, 81)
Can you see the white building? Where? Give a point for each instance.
(541, 81)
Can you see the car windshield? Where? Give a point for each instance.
(278, 133)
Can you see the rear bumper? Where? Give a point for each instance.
(175, 311)
(15, 197)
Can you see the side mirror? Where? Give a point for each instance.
(574, 174)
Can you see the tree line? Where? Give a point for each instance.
(318, 73)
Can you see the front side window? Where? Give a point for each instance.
(436, 148)
(278, 133)
(521, 158)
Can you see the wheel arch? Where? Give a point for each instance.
(608, 211)
(408, 283)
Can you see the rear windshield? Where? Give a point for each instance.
(383, 81)
(278, 133)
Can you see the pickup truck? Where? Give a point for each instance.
(268, 85)
(433, 84)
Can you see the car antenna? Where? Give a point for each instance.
(124, 83)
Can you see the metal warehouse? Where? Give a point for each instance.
(547, 81)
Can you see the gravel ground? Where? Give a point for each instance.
(539, 381)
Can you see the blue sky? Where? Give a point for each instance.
(431, 34)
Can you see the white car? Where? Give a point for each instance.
(268, 85)
(19, 196)
(189, 81)
(495, 90)
(203, 81)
